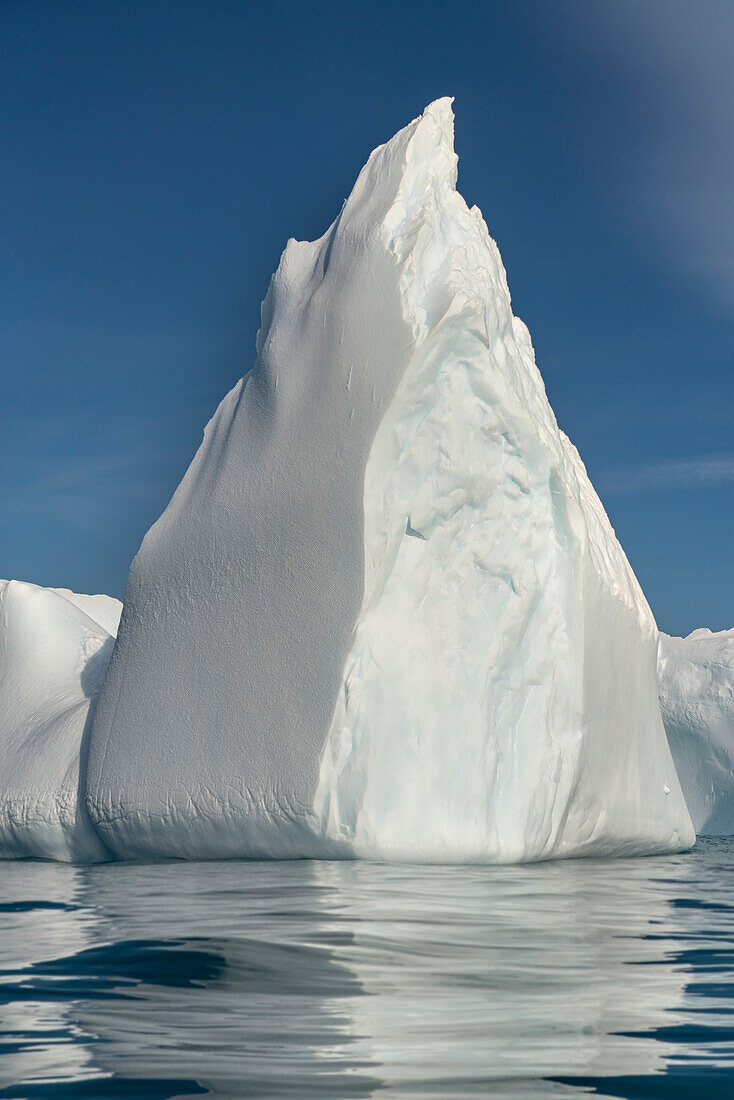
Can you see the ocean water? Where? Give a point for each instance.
(306, 979)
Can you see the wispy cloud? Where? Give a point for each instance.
(674, 57)
(691, 473)
(95, 490)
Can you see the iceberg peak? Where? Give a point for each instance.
(385, 614)
(430, 145)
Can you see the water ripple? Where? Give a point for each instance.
(355, 980)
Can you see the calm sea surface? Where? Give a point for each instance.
(354, 980)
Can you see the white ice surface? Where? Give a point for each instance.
(53, 655)
(696, 676)
(104, 610)
(385, 614)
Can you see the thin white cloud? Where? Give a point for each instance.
(93, 491)
(693, 473)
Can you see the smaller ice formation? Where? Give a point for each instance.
(696, 679)
(54, 650)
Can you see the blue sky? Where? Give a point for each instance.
(158, 155)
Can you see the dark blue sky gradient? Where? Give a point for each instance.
(156, 157)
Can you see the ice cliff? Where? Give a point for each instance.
(54, 649)
(697, 701)
(385, 614)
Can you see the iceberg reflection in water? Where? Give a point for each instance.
(354, 979)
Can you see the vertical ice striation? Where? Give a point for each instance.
(384, 614)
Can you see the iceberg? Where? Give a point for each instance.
(696, 677)
(385, 614)
(54, 649)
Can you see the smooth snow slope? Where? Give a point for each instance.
(696, 677)
(385, 613)
(54, 651)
